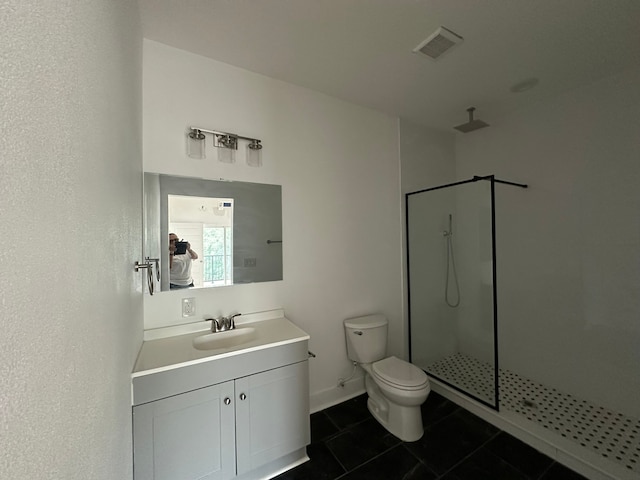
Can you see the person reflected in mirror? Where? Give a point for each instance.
(180, 263)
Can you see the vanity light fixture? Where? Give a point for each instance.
(226, 143)
(254, 153)
(195, 144)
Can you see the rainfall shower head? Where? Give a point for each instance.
(472, 124)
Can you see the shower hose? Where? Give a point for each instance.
(451, 265)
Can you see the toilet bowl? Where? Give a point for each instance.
(396, 388)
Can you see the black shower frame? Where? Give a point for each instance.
(476, 178)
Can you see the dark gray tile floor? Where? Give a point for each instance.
(347, 444)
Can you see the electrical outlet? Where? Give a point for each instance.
(249, 262)
(188, 307)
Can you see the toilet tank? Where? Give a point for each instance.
(366, 338)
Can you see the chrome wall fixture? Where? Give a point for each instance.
(148, 266)
(226, 145)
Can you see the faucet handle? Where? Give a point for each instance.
(215, 324)
(232, 322)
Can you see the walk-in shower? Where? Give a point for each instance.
(454, 324)
(445, 330)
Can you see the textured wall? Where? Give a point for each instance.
(70, 203)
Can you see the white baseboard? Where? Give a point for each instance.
(332, 396)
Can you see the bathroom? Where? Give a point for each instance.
(569, 313)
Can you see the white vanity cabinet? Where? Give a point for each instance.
(241, 416)
(189, 436)
(272, 417)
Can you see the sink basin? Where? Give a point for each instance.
(230, 338)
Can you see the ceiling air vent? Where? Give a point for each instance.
(439, 42)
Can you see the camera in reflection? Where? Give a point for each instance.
(181, 248)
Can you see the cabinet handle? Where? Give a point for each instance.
(227, 401)
(243, 396)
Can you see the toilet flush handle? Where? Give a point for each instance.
(357, 332)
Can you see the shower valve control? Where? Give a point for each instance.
(357, 332)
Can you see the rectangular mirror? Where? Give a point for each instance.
(234, 231)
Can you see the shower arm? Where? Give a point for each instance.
(471, 110)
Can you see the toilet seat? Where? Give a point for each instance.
(400, 374)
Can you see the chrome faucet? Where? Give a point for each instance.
(214, 324)
(222, 324)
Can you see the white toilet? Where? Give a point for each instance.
(396, 388)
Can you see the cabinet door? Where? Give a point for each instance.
(187, 437)
(272, 415)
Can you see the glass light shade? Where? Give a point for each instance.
(196, 144)
(226, 155)
(254, 154)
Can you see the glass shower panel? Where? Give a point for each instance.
(450, 246)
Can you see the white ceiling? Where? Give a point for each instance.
(361, 50)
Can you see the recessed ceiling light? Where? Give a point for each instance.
(524, 85)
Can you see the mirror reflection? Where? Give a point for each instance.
(204, 225)
(210, 233)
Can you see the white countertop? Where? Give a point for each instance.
(177, 351)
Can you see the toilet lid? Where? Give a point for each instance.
(398, 372)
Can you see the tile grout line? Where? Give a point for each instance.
(404, 445)
(546, 470)
(400, 444)
(517, 467)
(463, 459)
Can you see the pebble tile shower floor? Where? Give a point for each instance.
(612, 435)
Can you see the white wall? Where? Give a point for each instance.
(70, 202)
(339, 170)
(569, 246)
(427, 158)
(472, 247)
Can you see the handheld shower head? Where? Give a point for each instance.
(472, 124)
(448, 233)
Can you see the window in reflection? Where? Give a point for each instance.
(218, 256)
